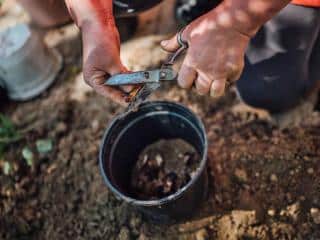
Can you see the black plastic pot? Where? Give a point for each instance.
(129, 134)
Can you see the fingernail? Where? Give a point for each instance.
(212, 93)
(164, 43)
(201, 94)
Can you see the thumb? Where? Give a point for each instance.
(170, 45)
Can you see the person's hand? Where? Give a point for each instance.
(101, 45)
(215, 56)
(101, 58)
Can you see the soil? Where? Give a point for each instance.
(264, 181)
(163, 168)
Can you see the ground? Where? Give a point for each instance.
(264, 182)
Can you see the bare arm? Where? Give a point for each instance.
(248, 16)
(101, 44)
(85, 11)
(217, 43)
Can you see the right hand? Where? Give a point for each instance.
(101, 59)
(215, 56)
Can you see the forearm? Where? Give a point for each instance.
(86, 12)
(247, 16)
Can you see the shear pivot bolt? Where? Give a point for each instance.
(162, 74)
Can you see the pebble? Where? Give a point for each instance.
(159, 160)
(202, 234)
(95, 125)
(306, 158)
(142, 236)
(124, 234)
(135, 222)
(293, 211)
(273, 178)
(61, 127)
(271, 212)
(241, 175)
(310, 171)
(315, 214)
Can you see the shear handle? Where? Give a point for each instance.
(183, 46)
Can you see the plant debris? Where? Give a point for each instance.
(28, 156)
(44, 145)
(8, 133)
(163, 168)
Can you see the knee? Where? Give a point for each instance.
(274, 100)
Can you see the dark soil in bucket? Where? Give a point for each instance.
(163, 168)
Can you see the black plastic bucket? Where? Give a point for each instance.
(129, 134)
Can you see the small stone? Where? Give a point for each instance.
(145, 159)
(310, 171)
(241, 175)
(219, 169)
(142, 236)
(61, 127)
(135, 223)
(159, 160)
(293, 211)
(202, 234)
(124, 234)
(271, 212)
(306, 158)
(95, 125)
(302, 198)
(273, 178)
(315, 214)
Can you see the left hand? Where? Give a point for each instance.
(215, 55)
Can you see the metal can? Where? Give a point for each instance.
(27, 65)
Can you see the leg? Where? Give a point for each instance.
(278, 72)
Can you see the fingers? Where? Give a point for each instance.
(97, 77)
(234, 71)
(170, 45)
(187, 76)
(111, 93)
(217, 88)
(115, 94)
(203, 84)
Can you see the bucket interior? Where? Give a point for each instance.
(129, 136)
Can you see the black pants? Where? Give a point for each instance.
(282, 60)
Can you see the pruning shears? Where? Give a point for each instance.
(148, 81)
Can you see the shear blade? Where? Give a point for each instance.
(142, 95)
(153, 76)
(132, 78)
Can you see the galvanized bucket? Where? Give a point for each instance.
(27, 65)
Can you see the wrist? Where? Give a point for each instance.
(247, 17)
(89, 12)
(233, 17)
